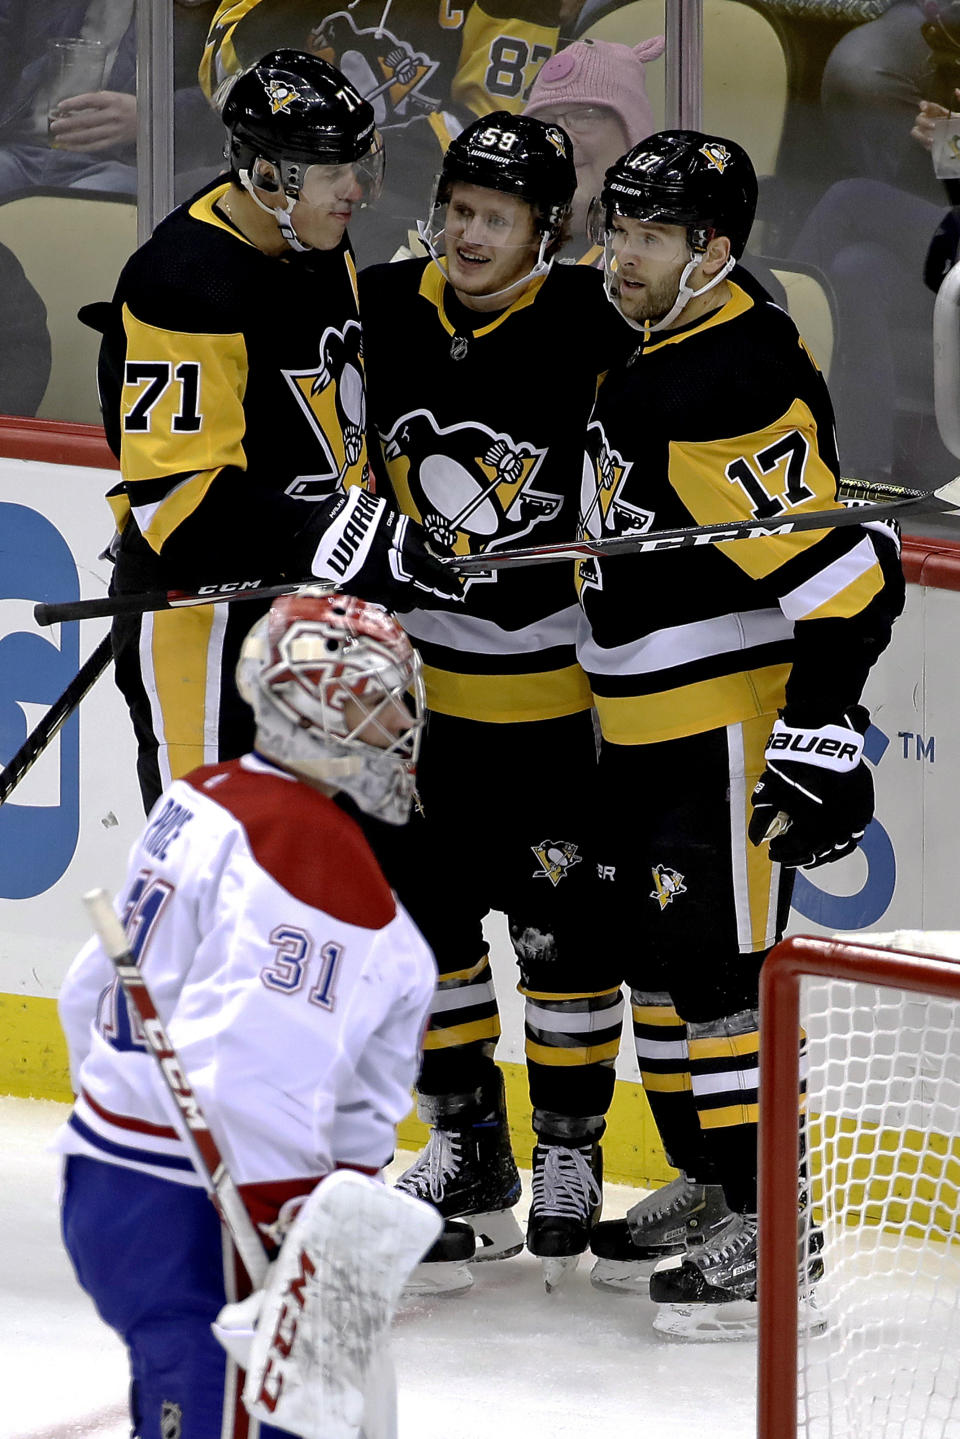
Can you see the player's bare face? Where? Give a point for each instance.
(491, 241)
(648, 262)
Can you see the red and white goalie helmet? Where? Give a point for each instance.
(337, 692)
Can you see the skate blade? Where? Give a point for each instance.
(445, 1277)
(627, 1276)
(556, 1268)
(498, 1235)
(707, 1323)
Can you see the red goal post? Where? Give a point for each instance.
(910, 970)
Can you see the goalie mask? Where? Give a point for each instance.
(337, 694)
(514, 155)
(293, 123)
(701, 182)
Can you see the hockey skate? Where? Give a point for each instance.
(711, 1293)
(467, 1171)
(567, 1198)
(445, 1267)
(663, 1224)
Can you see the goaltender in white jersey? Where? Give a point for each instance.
(293, 987)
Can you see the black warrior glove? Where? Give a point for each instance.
(815, 798)
(370, 550)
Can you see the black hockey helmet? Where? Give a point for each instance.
(296, 110)
(683, 177)
(516, 154)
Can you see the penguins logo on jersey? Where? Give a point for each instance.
(667, 884)
(471, 488)
(387, 70)
(557, 858)
(603, 510)
(332, 396)
(717, 156)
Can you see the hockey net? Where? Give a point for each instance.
(881, 1135)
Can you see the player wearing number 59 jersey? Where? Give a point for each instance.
(233, 393)
(293, 987)
(721, 675)
(481, 443)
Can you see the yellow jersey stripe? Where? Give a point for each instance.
(508, 699)
(692, 709)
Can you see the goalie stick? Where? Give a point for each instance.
(55, 718)
(206, 1154)
(875, 502)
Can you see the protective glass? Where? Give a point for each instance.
(582, 118)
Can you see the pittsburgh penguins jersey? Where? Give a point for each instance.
(410, 61)
(726, 418)
(232, 386)
(481, 419)
(291, 984)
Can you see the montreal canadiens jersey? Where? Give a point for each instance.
(725, 419)
(232, 385)
(410, 61)
(291, 984)
(481, 437)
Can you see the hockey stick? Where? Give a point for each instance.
(876, 502)
(55, 717)
(881, 502)
(164, 600)
(206, 1154)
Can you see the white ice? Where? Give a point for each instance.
(503, 1360)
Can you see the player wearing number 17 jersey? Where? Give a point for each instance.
(721, 675)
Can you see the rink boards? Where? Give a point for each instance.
(68, 826)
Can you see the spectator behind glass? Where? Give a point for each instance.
(597, 91)
(873, 81)
(88, 141)
(870, 238)
(25, 352)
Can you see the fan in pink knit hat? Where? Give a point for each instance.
(596, 90)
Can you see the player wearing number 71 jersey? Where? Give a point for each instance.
(293, 987)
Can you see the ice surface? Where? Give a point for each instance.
(503, 1360)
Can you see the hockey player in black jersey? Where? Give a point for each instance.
(233, 393)
(727, 683)
(482, 443)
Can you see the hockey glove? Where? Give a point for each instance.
(815, 798)
(368, 549)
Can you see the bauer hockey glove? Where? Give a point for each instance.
(370, 550)
(815, 798)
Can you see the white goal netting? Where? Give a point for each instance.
(882, 1135)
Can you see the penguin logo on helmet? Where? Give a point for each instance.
(557, 139)
(281, 96)
(718, 157)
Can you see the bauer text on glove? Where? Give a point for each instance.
(814, 799)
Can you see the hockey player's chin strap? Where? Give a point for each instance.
(282, 217)
(684, 293)
(542, 267)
